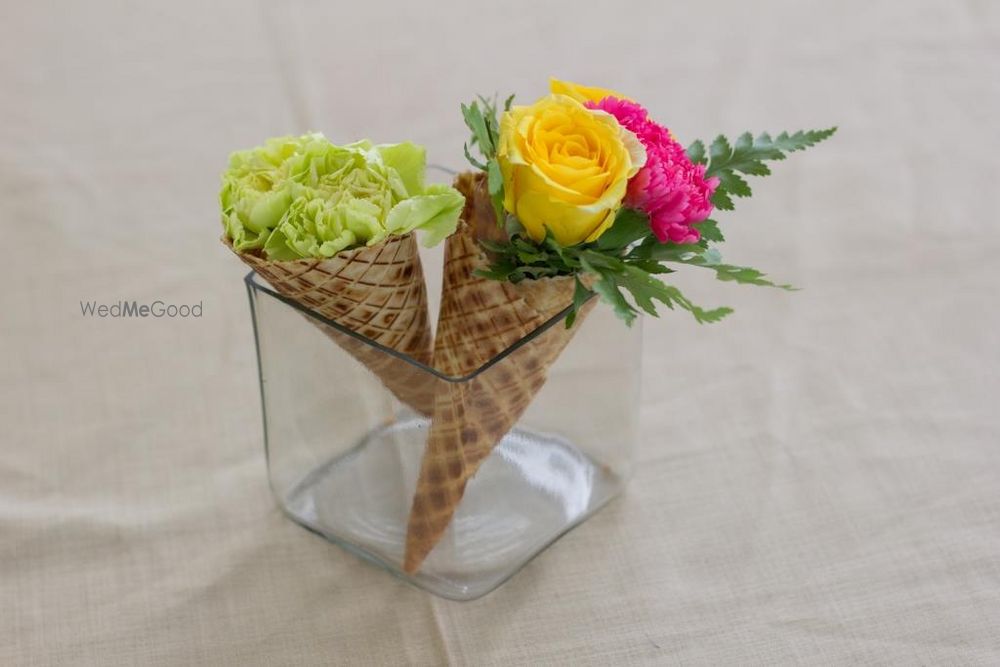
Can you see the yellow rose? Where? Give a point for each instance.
(581, 93)
(565, 167)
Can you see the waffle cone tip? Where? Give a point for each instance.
(480, 319)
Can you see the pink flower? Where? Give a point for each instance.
(670, 189)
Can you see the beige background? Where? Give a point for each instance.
(820, 475)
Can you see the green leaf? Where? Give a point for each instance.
(507, 102)
(494, 177)
(696, 152)
(569, 257)
(630, 225)
(747, 156)
(491, 119)
(709, 230)
(744, 142)
(755, 169)
(520, 258)
(624, 261)
(529, 257)
(802, 139)
(650, 266)
(477, 125)
(580, 296)
(746, 276)
(645, 289)
(733, 184)
(494, 247)
(608, 290)
(521, 243)
(602, 260)
(722, 200)
(495, 272)
(473, 161)
(719, 152)
(710, 259)
(668, 252)
(481, 118)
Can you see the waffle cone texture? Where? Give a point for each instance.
(378, 292)
(480, 319)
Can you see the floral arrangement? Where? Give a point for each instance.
(585, 183)
(577, 194)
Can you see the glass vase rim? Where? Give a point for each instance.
(255, 283)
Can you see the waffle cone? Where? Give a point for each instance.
(480, 318)
(378, 292)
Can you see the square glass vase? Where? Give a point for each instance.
(344, 453)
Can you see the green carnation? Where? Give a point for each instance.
(255, 192)
(316, 227)
(306, 197)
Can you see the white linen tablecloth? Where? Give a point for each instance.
(819, 476)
